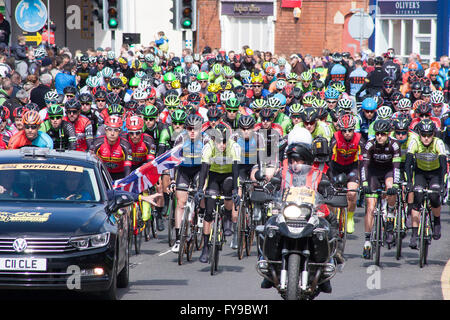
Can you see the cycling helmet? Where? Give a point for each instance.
(426, 91)
(281, 83)
(423, 109)
(404, 104)
(246, 122)
(149, 58)
(100, 94)
(332, 94)
(257, 79)
(232, 104)
(70, 90)
(193, 120)
(179, 116)
(416, 86)
(259, 104)
(336, 57)
(113, 98)
(378, 60)
(150, 112)
(219, 133)
(319, 103)
(135, 123)
(296, 109)
(134, 82)
(32, 106)
(55, 110)
(228, 72)
(384, 112)
(85, 98)
(274, 103)
(346, 121)
(115, 83)
(93, 82)
(210, 98)
(339, 86)
(73, 104)
(131, 105)
(369, 104)
(212, 87)
(217, 69)
(18, 112)
(309, 114)
(425, 126)
(40, 53)
(345, 104)
(51, 97)
(226, 95)
(114, 121)
(194, 97)
(267, 113)
(31, 117)
(382, 125)
(306, 76)
(140, 94)
(214, 113)
(437, 97)
(308, 100)
(107, 72)
(245, 74)
(172, 101)
(194, 87)
(292, 77)
(402, 123)
(115, 109)
(202, 76)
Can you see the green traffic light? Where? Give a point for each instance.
(186, 23)
(113, 23)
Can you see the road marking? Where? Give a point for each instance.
(161, 254)
(445, 281)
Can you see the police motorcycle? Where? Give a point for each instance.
(295, 246)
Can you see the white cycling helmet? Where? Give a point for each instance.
(384, 112)
(404, 104)
(224, 96)
(194, 87)
(299, 135)
(437, 97)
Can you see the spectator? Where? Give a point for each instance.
(5, 31)
(162, 42)
(297, 65)
(44, 85)
(19, 52)
(66, 78)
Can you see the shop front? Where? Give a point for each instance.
(247, 23)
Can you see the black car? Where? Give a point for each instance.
(62, 226)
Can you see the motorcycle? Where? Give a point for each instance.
(295, 249)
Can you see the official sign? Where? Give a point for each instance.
(31, 15)
(33, 39)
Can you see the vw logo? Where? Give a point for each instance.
(19, 245)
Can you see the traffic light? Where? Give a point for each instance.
(111, 14)
(174, 21)
(188, 14)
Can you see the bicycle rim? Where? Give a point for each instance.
(399, 231)
(170, 223)
(182, 248)
(343, 227)
(214, 247)
(423, 243)
(250, 232)
(378, 238)
(241, 233)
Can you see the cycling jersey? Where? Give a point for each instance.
(322, 129)
(250, 148)
(20, 140)
(142, 151)
(284, 121)
(427, 158)
(83, 130)
(357, 78)
(346, 152)
(64, 137)
(117, 158)
(192, 150)
(221, 162)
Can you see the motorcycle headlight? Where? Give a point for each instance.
(89, 242)
(296, 213)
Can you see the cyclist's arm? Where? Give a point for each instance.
(69, 130)
(397, 160)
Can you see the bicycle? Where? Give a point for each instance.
(244, 221)
(187, 228)
(400, 229)
(171, 219)
(148, 217)
(216, 236)
(140, 224)
(426, 226)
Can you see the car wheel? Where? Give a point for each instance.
(111, 293)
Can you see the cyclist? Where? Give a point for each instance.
(62, 132)
(280, 117)
(232, 116)
(220, 163)
(313, 125)
(423, 111)
(115, 151)
(367, 116)
(346, 146)
(192, 143)
(143, 148)
(30, 135)
(383, 155)
(428, 169)
(439, 107)
(83, 127)
(214, 118)
(152, 126)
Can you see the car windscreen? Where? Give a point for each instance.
(47, 182)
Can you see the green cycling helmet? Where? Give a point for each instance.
(134, 82)
(217, 69)
(338, 86)
(259, 104)
(292, 76)
(202, 76)
(55, 110)
(228, 72)
(150, 112)
(169, 77)
(296, 109)
(306, 76)
(210, 97)
(179, 116)
(156, 68)
(178, 69)
(232, 104)
(309, 99)
(319, 103)
(172, 101)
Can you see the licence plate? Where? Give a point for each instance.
(23, 264)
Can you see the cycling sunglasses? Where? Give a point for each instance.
(31, 126)
(401, 133)
(214, 119)
(55, 117)
(72, 111)
(232, 110)
(266, 119)
(381, 134)
(149, 118)
(427, 135)
(178, 123)
(347, 130)
(306, 123)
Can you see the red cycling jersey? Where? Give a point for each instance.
(83, 130)
(346, 152)
(117, 158)
(143, 151)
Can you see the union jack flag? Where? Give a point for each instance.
(148, 174)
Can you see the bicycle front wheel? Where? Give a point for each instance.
(214, 250)
(241, 229)
(342, 216)
(423, 238)
(399, 229)
(377, 236)
(171, 221)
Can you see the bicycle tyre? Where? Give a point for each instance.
(399, 223)
(423, 242)
(241, 229)
(343, 216)
(379, 238)
(213, 242)
(170, 222)
(190, 243)
(138, 235)
(250, 230)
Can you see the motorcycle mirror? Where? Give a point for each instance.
(323, 187)
(275, 181)
(342, 179)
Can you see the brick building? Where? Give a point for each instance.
(270, 25)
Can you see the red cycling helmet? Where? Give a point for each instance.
(114, 122)
(346, 121)
(135, 123)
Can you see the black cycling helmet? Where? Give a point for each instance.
(300, 151)
(426, 90)
(131, 105)
(246, 122)
(382, 126)
(267, 113)
(425, 126)
(193, 120)
(72, 104)
(402, 122)
(100, 94)
(85, 98)
(423, 109)
(219, 133)
(416, 86)
(116, 83)
(309, 114)
(32, 106)
(378, 61)
(112, 98)
(214, 113)
(70, 90)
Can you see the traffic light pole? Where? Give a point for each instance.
(113, 40)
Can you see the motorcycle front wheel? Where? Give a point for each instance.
(293, 277)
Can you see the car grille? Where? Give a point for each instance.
(38, 245)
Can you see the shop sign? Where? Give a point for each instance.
(407, 7)
(247, 8)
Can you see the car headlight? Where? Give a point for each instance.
(296, 213)
(90, 242)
